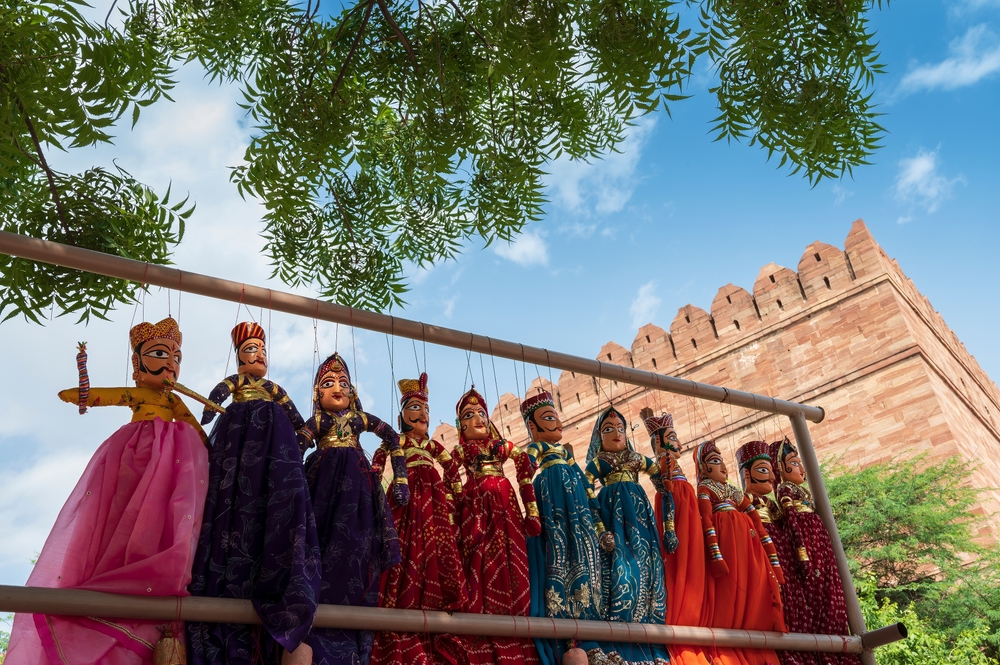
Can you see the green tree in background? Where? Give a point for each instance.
(397, 132)
(910, 537)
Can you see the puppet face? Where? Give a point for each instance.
(251, 358)
(156, 362)
(613, 434)
(544, 425)
(474, 422)
(416, 417)
(668, 442)
(758, 479)
(714, 467)
(334, 392)
(791, 469)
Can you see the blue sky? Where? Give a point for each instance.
(625, 241)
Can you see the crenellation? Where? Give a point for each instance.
(578, 391)
(651, 350)
(734, 313)
(692, 333)
(777, 292)
(823, 271)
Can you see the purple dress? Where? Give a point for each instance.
(258, 538)
(356, 533)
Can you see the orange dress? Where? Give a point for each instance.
(743, 589)
(686, 567)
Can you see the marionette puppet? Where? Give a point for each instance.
(632, 574)
(258, 540)
(130, 523)
(758, 476)
(815, 561)
(358, 541)
(493, 531)
(743, 589)
(565, 560)
(685, 566)
(429, 577)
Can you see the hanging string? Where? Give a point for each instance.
(416, 360)
(315, 363)
(128, 342)
(170, 312)
(468, 372)
(496, 386)
(269, 294)
(180, 293)
(243, 290)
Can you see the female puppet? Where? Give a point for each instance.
(632, 576)
(130, 523)
(743, 589)
(565, 560)
(493, 531)
(357, 538)
(816, 564)
(686, 566)
(429, 576)
(757, 475)
(258, 540)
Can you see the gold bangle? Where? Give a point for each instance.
(399, 481)
(532, 509)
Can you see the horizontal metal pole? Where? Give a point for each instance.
(54, 253)
(75, 602)
(894, 632)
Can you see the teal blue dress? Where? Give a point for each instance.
(565, 560)
(632, 575)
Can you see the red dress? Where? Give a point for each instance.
(817, 568)
(429, 576)
(686, 567)
(743, 589)
(793, 597)
(494, 546)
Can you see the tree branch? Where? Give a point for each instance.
(354, 48)
(50, 176)
(399, 33)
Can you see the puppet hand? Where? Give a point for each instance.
(607, 541)
(532, 525)
(719, 568)
(401, 493)
(207, 416)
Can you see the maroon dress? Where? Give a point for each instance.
(817, 568)
(793, 597)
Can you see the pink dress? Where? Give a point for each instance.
(130, 526)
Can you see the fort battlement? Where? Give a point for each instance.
(847, 331)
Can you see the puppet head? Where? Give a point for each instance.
(541, 418)
(156, 353)
(709, 462)
(474, 418)
(662, 435)
(786, 462)
(251, 350)
(756, 472)
(414, 415)
(333, 390)
(610, 433)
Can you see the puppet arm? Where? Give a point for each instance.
(524, 466)
(381, 429)
(605, 536)
(717, 565)
(220, 394)
(765, 539)
(282, 399)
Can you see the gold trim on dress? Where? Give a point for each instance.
(332, 440)
(802, 507)
(552, 462)
(620, 476)
(250, 393)
(532, 509)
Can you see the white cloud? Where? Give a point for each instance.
(527, 249)
(604, 185)
(973, 57)
(645, 305)
(920, 183)
(904, 219)
(840, 194)
(449, 306)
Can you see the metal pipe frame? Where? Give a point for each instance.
(172, 278)
(76, 602)
(45, 251)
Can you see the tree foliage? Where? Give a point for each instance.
(396, 132)
(910, 532)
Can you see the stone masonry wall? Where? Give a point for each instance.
(847, 331)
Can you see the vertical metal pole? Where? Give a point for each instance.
(807, 454)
